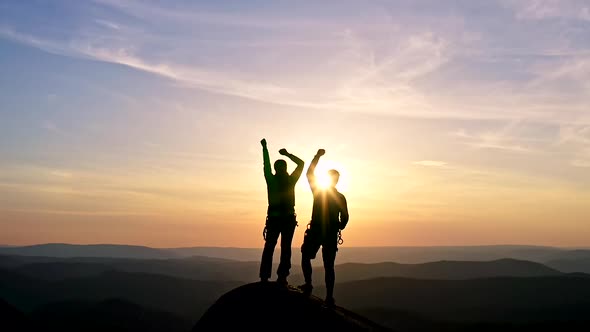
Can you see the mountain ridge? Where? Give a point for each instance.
(203, 268)
(271, 307)
(402, 254)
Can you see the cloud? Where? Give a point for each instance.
(505, 138)
(579, 134)
(26, 39)
(191, 76)
(61, 174)
(576, 139)
(196, 15)
(574, 68)
(551, 9)
(430, 163)
(581, 163)
(81, 213)
(52, 127)
(108, 24)
(370, 94)
(382, 63)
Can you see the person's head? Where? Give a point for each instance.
(280, 166)
(334, 177)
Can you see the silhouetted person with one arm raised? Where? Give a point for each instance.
(281, 218)
(329, 216)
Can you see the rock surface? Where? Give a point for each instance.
(271, 307)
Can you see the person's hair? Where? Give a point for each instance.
(280, 166)
(334, 175)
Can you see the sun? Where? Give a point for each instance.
(324, 180)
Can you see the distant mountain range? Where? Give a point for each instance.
(185, 297)
(442, 270)
(91, 250)
(565, 260)
(214, 269)
(387, 300)
(61, 287)
(502, 300)
(198, 268)
(114, 315)
(574, 261)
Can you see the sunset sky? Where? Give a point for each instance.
(139, 122)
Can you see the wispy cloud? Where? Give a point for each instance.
(27, 39)
(368, 94)
(574, 134)
(108, 24)
(61, 174)
(387, 65)
(503, 139)
(195, 15)
(548, 9)
(52, 127)
(582, 162)
(191, 76)
(430, 163)
(491, 140)
(81, 212)
(576, 138)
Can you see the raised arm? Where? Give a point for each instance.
(299, 169)
(266, 158)
(311, 168)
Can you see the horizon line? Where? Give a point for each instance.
(260, 248)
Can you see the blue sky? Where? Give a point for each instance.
(443, 115)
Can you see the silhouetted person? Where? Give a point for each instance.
(281, 218)
(328, 217)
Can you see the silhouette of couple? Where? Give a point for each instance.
(329, 216)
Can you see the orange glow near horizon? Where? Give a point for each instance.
(409, 206)
(140, 123)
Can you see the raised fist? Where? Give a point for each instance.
(263, 142)
(283, 152)
(321, 152)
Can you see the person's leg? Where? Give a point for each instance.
(287, 232)
(306, 258)
(329, 257)
(272, 235)
(307, 270)
(308, 252)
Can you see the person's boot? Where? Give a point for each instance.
(330, 301)
(282, 281)
(306, 289)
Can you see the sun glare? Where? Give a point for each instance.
(323, 178)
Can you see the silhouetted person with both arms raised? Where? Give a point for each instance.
(329, 216)
(281, 218)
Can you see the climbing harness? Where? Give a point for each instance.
(265, 230)
(340, 240)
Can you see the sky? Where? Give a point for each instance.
(139, 122)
